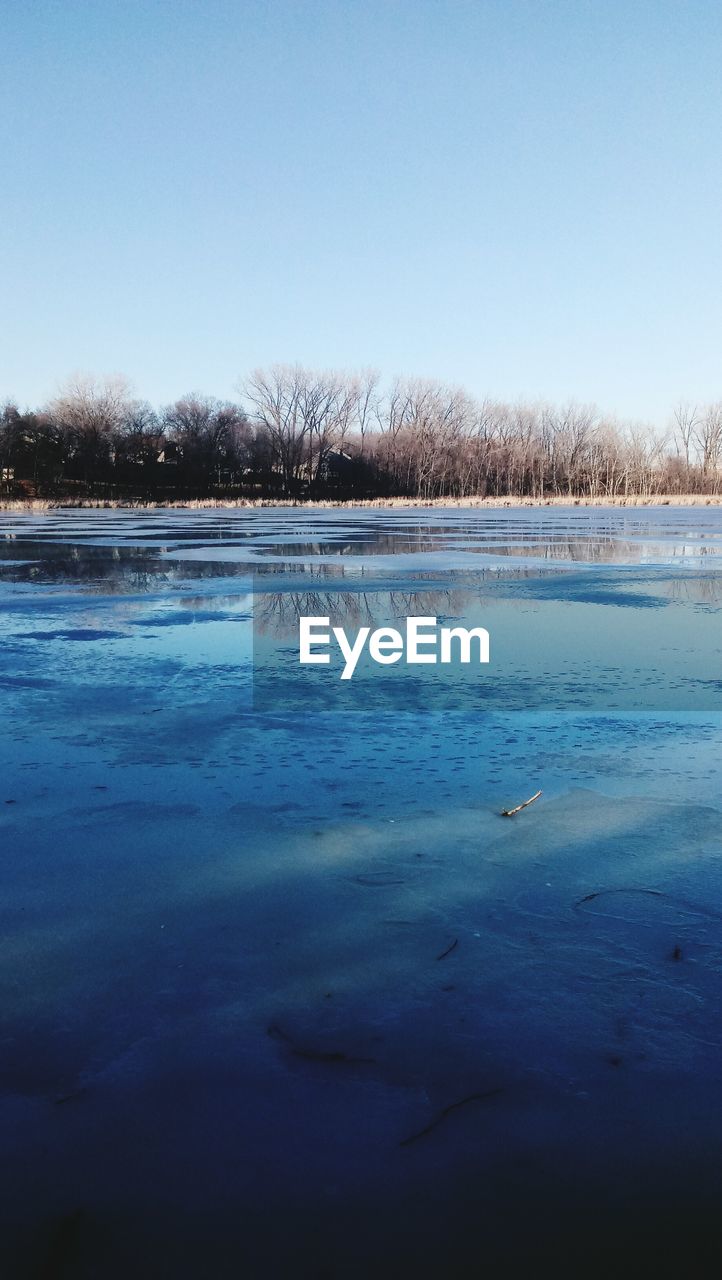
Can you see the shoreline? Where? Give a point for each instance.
(42, 505)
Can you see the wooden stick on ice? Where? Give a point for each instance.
(509, 813)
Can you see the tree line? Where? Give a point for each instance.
(296, 433)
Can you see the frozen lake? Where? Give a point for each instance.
(282, 993)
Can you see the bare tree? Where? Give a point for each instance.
(275, 396)
(686, 423)
(139, 437)
(366, 398)
(305, 432)
(708, 436)
(207, 433)
(89, 411)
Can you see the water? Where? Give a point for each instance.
(262, 934)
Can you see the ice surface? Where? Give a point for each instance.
(255, 952)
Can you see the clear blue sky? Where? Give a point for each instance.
(520, 196)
